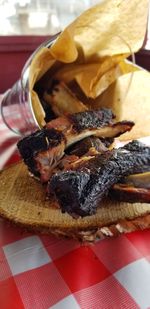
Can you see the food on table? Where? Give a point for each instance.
(43, 149)
(80, 191)
(77, 86)
(132, 194)
(133, 188)
(82, 147)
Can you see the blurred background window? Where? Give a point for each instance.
(39, 17)
(25, 24)
(42, 17)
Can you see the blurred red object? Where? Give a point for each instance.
(14, 52)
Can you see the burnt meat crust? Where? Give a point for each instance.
(92, 119)
(80, 192)
(38, 141)
(64, 129)
(82, 147)
(131, 194)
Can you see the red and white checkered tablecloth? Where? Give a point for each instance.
(42, 272)
(8, 149)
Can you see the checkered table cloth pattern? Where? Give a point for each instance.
(8, 149)
(42, 272)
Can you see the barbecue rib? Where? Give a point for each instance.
(124, 193)
(133, 188)
(43, 149)
(80, 191)
(82, 147)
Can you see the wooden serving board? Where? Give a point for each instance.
(23, 202)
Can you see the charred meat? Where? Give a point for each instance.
(82, 147)
(37, 145)
(133, 188)
(80, 191)
(131, 194)
(43, 149)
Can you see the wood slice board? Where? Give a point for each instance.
(23, 202)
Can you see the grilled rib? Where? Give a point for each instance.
(122, 192)
(42, 150)
(79, 153)
(82, 147)
(80, 191)
(133, 188)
